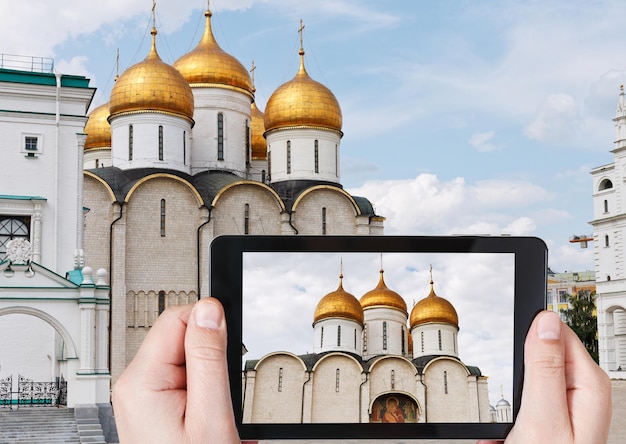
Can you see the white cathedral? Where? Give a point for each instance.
(372, 362)
(181, 154)
(609, 234)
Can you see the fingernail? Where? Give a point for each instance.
(549, 326)
(208, 315)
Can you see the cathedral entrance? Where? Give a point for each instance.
(394, 408)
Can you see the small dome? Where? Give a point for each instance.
(98, 129)
(339, 304)
(208, 64)
(257, 128)
(503, 403)
(381, 296)
(152, 85)
(302, 102)
(433, 309)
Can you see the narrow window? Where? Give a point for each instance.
(161, 302)
(393, 379)
(280, 379)
(184, 147)
(364, 338)
(606, 240)
(422, 342)
(246, 219)
(445, 382)
(439, 334)
(336, 160)
(289, 157)
(384, 335)
(337, 381)
(247, 143)
(263, 176)
(97, 163)
(162, 217)
(606, 206)
(322, 338)
(269, 165)
(338, 335)
(220, 136)
(317, 157)
(323, 220)
(402, 339)
(160, 142)
(130, 142)
(355, 338)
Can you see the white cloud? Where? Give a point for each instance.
(482, 142)
(425, 205)
(557, 120)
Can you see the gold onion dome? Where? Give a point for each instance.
(302, 102)
(98, 129)
(381, 296)
(152, 85)
(339, 304)
(209, 65)
(257, 128)
(433, 309)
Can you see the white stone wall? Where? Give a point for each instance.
(395, 320)
(447, 393)
(302, 158)
(404, 378)
(145, 152)
(340, 212)
(430, 345)
(336, 399)
(235, 106)
(349, 339)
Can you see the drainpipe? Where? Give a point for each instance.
(302, 403)
(111, 280)
(198, 255)
(291, 223)
(367, 377)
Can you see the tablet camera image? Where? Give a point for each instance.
(371, 337)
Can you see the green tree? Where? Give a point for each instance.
(582, 319)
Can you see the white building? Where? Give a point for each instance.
(372, 362)
(609, 225)
(53, 310)
(181, 154)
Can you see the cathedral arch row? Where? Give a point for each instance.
(433, 362)
(280, 354)
(144, 307)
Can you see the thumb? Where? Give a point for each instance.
(544, 379)
(209, 415)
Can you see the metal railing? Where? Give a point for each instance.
(32, 394)
(27, 63)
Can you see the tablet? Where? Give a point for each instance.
(378, 337)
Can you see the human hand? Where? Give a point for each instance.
(566, 397)
(176, 388)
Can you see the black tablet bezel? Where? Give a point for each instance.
(226, 285)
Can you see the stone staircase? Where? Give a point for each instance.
(49, 425)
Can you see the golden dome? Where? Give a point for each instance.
(302, 102)
(152, 85)
(98, 129)
(339, 304)
(381, 296)
(208, 64)
(257, 128)
(433, 309)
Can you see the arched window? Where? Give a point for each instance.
(422, 335)
(606, 206)
(605, 184)
(606, 240)
(289, 157)
(445, 382)
(393, 379)
(184, 147)
(439, 334)
(161, 302)
(263, 176)
(269, 165)
(365, 338)
(220, 136)
(355, 338)
(246, 219)
(322, 337)
(317, 157)
(323, 220)
(384, 335)
(280, 379)
(13, 227)
(97, 163)
(337, 381)
(247, 143)
(160, 142)
(162, 218)
(402, 339)
(130, 142)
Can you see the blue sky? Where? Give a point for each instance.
(460, 117)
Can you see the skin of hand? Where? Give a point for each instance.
(566, 397)
(176, 388)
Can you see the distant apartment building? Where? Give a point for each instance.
(560, 285)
